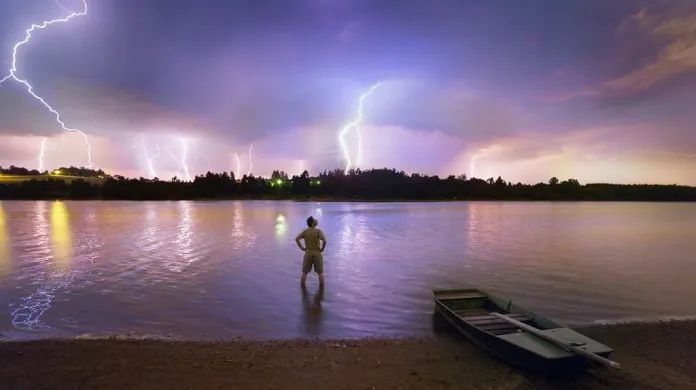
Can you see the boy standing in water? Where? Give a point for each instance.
(312, 250)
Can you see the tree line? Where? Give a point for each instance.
(63, 171)
(373, 184)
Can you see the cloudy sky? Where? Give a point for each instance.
(597, 90)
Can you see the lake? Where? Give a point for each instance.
(226, 269)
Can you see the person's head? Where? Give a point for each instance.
(311, 222)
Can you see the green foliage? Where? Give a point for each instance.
(375, 184)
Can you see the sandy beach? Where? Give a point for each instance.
(653, 356)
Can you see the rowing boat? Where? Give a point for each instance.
(517, 335)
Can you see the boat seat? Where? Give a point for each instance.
(466, 295)
(472, 312)
(487, 320)
(503, 331)
(496, 326)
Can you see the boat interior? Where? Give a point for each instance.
(475, 308)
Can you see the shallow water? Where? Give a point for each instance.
(225, 269)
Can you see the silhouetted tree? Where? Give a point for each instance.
(357, 184)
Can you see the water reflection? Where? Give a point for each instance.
(149, 237)
(151, 222)
(473, 231)
(184, 238)
(41, 226)
(352, 242)
(148, 241)
(237, 218)
(242, 237)
(237, 226)
(215, 270)
(312, 311)
(51, 241)
(61, 238)
(281, 228)
(5, 247)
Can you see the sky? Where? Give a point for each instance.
(596, 90)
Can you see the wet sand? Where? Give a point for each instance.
(653, 356)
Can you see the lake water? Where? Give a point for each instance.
(226, 269)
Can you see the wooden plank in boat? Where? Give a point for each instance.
(472, 312)
(496, 326)
(504, 331)
(490, 319)
(467, 295)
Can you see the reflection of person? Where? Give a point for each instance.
(312, 257)
(313, 310)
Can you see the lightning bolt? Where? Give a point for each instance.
(42, 151)
(300, 164)
(251, 147)
(338, 152)
(207, 160)
(150, 162)
(355, 124)
(472, 165)
(182, 162)
(150, 159)
(62, 6)
(30, 89)
(239, 164)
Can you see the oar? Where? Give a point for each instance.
(562, 344)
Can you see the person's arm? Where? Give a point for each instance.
(297, 240)
(322, 238)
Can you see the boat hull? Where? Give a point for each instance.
(501, 346)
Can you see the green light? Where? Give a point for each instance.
(279, 181)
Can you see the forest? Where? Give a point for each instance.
(374, 184)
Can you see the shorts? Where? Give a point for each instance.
(313, 259)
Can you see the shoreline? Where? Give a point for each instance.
(658, 355)
(346, 200)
